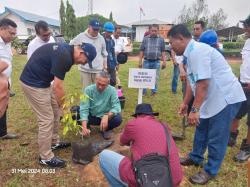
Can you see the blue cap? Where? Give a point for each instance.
(90, 52)
(209, 37)
(95, 24)
(109, 27)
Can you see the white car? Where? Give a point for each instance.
(128, 44)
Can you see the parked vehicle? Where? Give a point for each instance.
(128, 44)
(168, 51)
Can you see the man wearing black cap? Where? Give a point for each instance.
(92, 36)
(244, 153)
(50, 63)
(145, 135)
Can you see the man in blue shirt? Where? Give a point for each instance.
(110, 48)
(102, 108)
(50, 63)
(217, 99)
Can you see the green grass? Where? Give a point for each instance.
(21, 120)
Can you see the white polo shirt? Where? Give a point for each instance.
(179, 59)
(245, 66)
(6, 56)
(205, 62)
(36, 43)
(119, 44)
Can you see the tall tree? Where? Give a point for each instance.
(70, 30)
(62, 18)
(111, 16)
(217, 20)
(197, 11)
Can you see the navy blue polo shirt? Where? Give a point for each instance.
(49, 61)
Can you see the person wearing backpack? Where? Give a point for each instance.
(146, 136)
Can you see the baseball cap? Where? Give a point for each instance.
(246, 22)
(95, 24)
(90, 52)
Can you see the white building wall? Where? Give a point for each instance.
(140, 30)
(21, 28)
(24, 26)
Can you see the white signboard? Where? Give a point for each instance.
(142, 78)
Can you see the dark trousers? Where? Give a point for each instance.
(3, 124)
(112, 74)
(114, 122)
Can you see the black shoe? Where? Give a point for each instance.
(233, 138)
(201, 177)
(60, 145)
(107, 135)
(53, 162)
(244, 153)
(12, 94)
(188, 162)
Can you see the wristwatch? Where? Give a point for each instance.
(194, 109)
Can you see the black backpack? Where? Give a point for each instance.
(154, 169)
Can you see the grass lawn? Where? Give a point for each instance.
(21, 120)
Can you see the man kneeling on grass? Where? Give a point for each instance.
(102, 108)
(145, 135)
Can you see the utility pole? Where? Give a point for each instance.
(90, 7)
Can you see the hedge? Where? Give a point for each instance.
(232, 52)
(233, 45)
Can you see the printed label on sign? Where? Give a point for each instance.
(142, 78)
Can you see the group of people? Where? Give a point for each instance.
(216, 97)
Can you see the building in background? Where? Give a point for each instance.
(26, 22)
(140, 27)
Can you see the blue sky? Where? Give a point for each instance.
(127, 11)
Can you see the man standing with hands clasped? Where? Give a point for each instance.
(217, 99)
(153, 50)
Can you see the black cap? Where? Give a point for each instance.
(246, 22)
(122, 58)
(144, 108)
(90, 52)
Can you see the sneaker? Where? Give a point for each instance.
(8, 136)
(53, 162)
(244, 153)
(60, 145)
(107, 135)
(233, 138)
(12, 94)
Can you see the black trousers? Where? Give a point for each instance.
(112, 73)
(3, 124)
(114, 122)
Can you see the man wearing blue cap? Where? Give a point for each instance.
(92, 36)
(50, 63)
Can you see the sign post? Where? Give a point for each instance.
(141, 78)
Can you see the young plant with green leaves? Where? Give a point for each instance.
(68, 121)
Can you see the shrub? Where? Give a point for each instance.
(233, 45)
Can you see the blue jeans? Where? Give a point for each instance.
(213, 133)
(175, 77)
(109, 162)
(153, 65)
